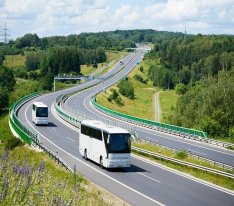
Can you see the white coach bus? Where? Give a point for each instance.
(107, 145)
(40, 113)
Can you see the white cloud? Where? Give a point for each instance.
(173, 11)
(126, 17)
(53, 17)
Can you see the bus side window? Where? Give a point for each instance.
(97, 134)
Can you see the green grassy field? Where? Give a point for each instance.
(114, 55)
(14, 60)
(142, 105)
(168, 101)
(111, 56)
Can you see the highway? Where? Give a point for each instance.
(80, 103)
(144, 183)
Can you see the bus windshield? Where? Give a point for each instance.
(118, 143)
(42, 112)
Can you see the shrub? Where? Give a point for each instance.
(139, 78)
(141, 68)
(181, 154)
(114, 94)
(12, 142)
(181, 88)
(119, 101)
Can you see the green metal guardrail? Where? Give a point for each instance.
(167, 127)
(67, 117)
(24, 133)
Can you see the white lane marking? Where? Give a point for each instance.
(63, 121)
(70, 139)
(111, 178)
(230, 192)
(198, 152)
(148, 177)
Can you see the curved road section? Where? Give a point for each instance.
(144, 183)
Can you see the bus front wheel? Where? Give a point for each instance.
(101, 162)
(85, 154)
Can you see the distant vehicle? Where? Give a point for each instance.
(121, 61)
(106, 145)
(40, 113)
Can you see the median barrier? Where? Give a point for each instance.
(181, 131)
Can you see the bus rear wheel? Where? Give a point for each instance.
(85, 154)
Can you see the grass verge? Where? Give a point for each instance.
(213, 178)
(168, 99)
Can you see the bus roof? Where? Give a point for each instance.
(39, 104)
(100, 125)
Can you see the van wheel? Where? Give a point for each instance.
(101, 162)
(85, 154)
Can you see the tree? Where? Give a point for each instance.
(28, 40)
(185, 75)
(4, 98)
(7, 79)
(46, 83)
(2, 57)
(180, 88)
(126, 88)
(33, 60)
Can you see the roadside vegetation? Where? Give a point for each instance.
(112, 57)
(32, 178)
(183, 155)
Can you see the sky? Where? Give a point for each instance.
(64, 17)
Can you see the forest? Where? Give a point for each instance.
(201, 69)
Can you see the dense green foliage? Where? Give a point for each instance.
(116, 97)
(200, 68)
(114, 40)
(7, 78)
(7, 84)
(33, 60)
(126, 88)
(209, 106)
(187, 60)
